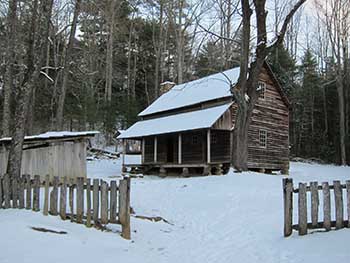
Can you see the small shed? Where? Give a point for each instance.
(52, 153)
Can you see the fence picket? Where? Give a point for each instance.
(348, 200)
(124, 207)
(14, 182)
(46, 195)
(28, 192)
(113, 202)
(80, 200)
(288, 206)
(104, 202)
(302, 210)
(7, 192)
(314, 204)
(54, 197)
(71, 198)
(21, 192)
(88, 203)
(36, 193)
(326, 206)
(63, 199)
(95, 205)
(338, 198)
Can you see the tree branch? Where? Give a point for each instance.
(283, 30)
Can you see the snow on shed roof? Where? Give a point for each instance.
(200, 119)
(208, 88)
(54, 135)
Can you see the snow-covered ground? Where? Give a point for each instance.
(232, 218)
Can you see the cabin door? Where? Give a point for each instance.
(170, 149)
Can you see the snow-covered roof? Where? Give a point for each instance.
(55, 135)
(208, 88)
(199, 119)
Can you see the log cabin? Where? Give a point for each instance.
(53, 153)
(188, 129)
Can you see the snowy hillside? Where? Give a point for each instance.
(233, 218)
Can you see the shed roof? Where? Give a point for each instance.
(194, 120)
(54, 135)
(208, 88)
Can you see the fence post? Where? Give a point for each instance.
(113, 202)
(54, 197)
(14, 183)
(46, 195)
(288, 206)
(63, 198)
(7, 191)
(95, 200)
(36, 193)
(71, 198)
(302, 210)
(88, 203)
(326, 206)
(124, 207)
(21, 192)
(314, 204)
(104, 202)
(28, 192)
(348, 200)
(80, 200)
(338, 198)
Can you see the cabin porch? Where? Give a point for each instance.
(200, 152)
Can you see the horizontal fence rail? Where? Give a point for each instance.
(316, 193)
(84, 201)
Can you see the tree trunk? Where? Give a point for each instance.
(10, 60)
(67, 65)
(109, 57)
(35, 60)
(340, 89)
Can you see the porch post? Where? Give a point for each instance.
(208, 146)
(155, 149)
(123, 156)
(180, 149)
(143, 151)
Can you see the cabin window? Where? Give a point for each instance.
(261, 89)
(263, 138)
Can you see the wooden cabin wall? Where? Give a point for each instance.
(149, 150)
(65, 158)
(272, 115)
(163, 142)
(220, 146)
(194, 147)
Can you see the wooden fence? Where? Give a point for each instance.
(110, 203)
(317, 193)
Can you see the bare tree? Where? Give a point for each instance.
(35, 60)
(10, 60)
(67, 65)
(337, 20)
(245, 92)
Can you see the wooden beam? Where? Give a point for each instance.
(180, 149)
(208, 146)
(123, 156)
(143, 150)
(155, 149)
